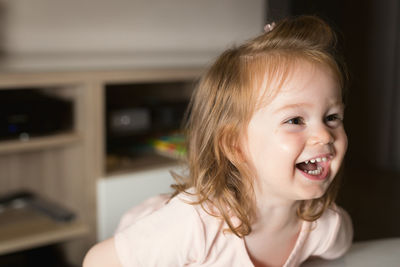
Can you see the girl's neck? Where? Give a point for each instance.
(275, 214)
(274, 233)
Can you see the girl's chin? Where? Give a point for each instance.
(313, 192)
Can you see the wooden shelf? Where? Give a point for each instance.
(67, 166)
(121, 165)
(36, 143)
(25, 228)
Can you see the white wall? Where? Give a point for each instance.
(64, 26)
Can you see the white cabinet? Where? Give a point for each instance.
(117, 194)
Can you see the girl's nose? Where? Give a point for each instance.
(321, 135)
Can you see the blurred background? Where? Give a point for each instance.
(90, 33)
(94, 35)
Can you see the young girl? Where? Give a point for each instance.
(265, 143)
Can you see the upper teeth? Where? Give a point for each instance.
(316, 160)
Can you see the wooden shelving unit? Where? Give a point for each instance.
(36, 143)
(60, 167)
(65, 167)
(23, 228)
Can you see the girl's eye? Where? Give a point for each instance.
(296, 121)
(333, 119)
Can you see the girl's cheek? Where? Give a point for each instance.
(290, 141)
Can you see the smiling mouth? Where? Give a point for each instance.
(316, 168)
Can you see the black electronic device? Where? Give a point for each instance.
(30, 112)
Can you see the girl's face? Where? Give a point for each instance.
(296, 142)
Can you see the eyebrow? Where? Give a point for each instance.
(292, 106)
(299, 105)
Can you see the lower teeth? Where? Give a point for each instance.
(314, 172)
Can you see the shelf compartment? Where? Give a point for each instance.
(25, 228)
(42, 142)
(138, 114)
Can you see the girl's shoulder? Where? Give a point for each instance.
(164, 206)
(173, 229)
(333, 220)
(142, 210)
(331, 235)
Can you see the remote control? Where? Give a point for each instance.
(55, 211)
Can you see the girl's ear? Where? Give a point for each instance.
(231, 145)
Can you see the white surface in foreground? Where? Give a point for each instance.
(384, 252)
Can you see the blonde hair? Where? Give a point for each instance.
(223, 104)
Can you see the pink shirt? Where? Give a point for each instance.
(180, 234)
